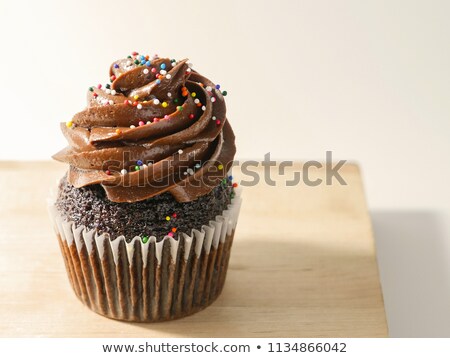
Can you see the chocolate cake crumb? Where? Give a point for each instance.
(90, 207)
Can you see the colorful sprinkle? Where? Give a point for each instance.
(213, 99)
(132, 126)
(148, 63)
(99, 86)
(134, 53)
(113, 78)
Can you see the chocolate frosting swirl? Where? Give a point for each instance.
(159, 127)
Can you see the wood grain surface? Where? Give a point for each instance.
(303, 264)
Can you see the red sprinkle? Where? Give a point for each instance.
(153, 70)
(125, 102)
(134, 53)
(141, 123)
(135, 103)
(108, 172)
(218, 122)
(174, 215)
(191, 116)
(95, 95)
(99, 86)
(113, 78)
(235, 185)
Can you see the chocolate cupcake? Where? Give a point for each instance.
(146, 214)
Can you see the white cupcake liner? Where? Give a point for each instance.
(149, 282)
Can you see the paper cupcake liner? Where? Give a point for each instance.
(150, 282)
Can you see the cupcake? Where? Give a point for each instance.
(146, 213)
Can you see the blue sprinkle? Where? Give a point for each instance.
(139, 162)
(163, 66)
(143, 62)
(217, 86)
(148, 63)
(116, 65)
(142, 57)
(158, 82)
(230, 177)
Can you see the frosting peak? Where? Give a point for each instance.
(159, 126)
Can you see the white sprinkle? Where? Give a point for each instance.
(203, 108)
(190, 64)
(128, 63)
(163, 72)
(190, 171)
(145, 71)
(196, 101)
(132, 126)
(123, 171)
(156, 101)
(197, 166)
(208, 88)
(213, 99)
(144, 166)
(139, 106)
(188, 70)
(180, 151)
(148, 122)
(185, 173)
(168, 76)
(113, 92)
(111, 102)
(213, 118)
(108, 91)
(169, 94)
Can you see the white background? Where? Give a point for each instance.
(369, 80)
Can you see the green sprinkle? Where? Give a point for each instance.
(175, 100)
(144, 239)
(136, 62)
(137, 167)
(224, 93)
(108, 86)
(180, 108)
(91, 89)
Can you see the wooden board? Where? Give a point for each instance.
(303, 264)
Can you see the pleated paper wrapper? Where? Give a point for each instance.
(150, 282)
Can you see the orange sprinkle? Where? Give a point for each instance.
(118, 131)
(174, 229)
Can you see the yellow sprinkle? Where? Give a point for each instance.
(136, 96)
(164, 104)
(168, 218)
(69, 124)
(193, 94)
(220, 166)
(118, 131)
